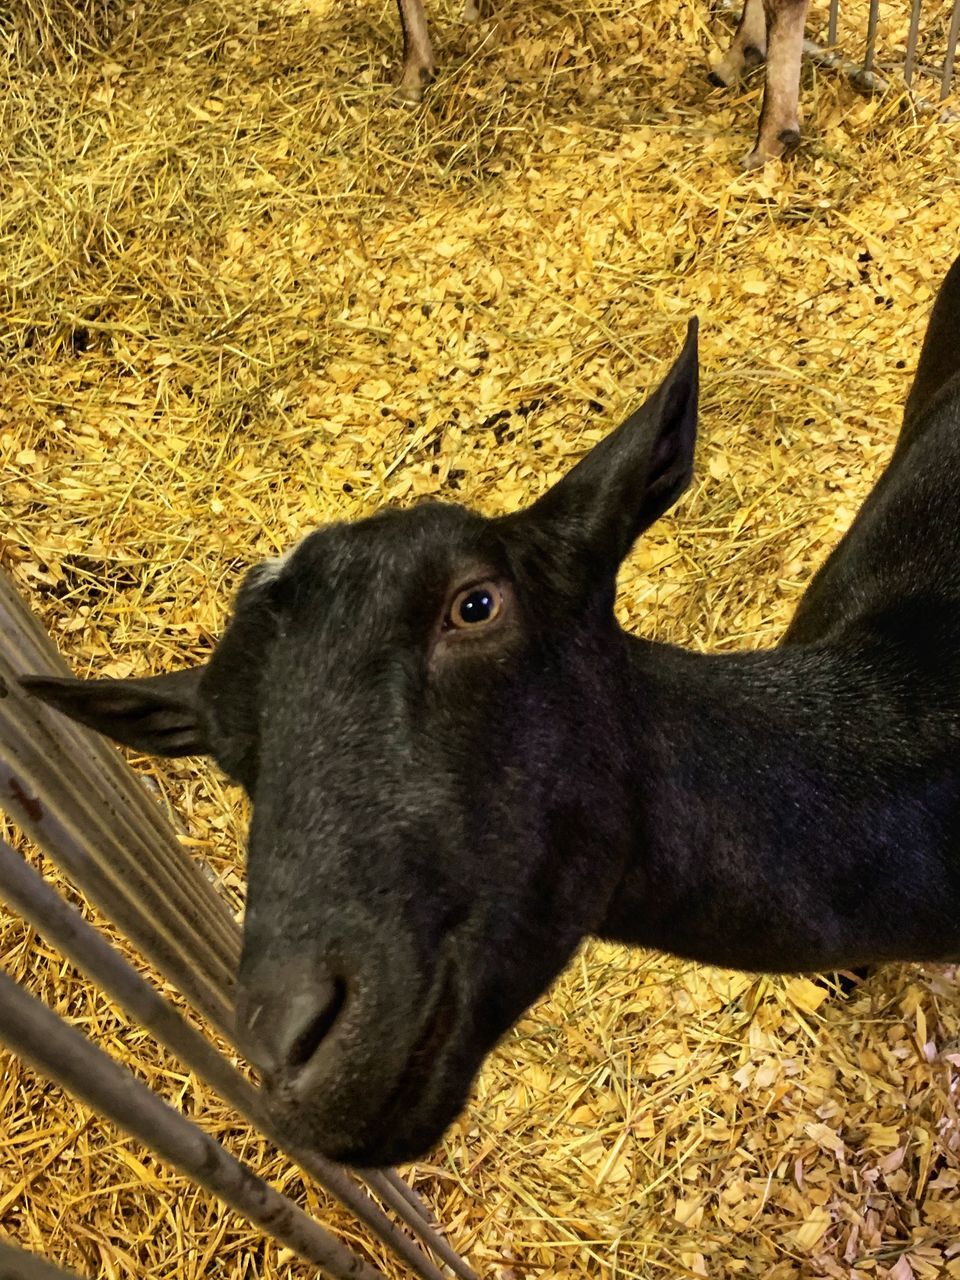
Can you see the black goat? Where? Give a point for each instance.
(461, 766)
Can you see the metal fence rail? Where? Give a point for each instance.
(15, 1264)
(63, 1054)
(77, 799)
(870, 79)
(875, 76)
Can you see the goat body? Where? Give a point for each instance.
(460, 765)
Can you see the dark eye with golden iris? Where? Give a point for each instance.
(475, 606)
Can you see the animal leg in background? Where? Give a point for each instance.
(419, 65)
(748, 47)
(779, 132)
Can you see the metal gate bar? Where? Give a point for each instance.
(63, 1054)
(16, 1264)
(872, 20)
(69, 781)
(952, 36)
(912, 37)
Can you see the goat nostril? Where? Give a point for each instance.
(312, 1023)
(282, 1024)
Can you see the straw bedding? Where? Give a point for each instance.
(244, 293)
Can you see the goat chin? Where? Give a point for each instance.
(406, 1129)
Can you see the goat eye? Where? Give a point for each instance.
(475, 606)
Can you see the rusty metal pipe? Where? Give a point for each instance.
(872, 20)
(17, 1264)
(63, 1054)
(952, 36)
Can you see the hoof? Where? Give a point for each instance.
(717, 79)
(411, 88)
(786, 144)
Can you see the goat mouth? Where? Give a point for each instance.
(398, 1132)
(412, 1115)
(437, 1029)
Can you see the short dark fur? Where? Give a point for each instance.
(440, 818)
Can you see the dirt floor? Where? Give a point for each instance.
(244, 293)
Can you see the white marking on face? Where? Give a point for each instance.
(269, 570)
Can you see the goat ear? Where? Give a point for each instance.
(155, 714)
(940, 356)
(631, 477)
